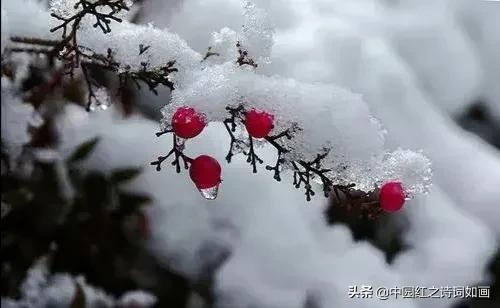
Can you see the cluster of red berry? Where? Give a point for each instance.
(205, 171)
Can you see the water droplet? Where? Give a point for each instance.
(210, 193)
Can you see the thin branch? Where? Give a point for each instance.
(68, 48)
(252, 157)
(243, 58)
(177, 151)
(209, 54)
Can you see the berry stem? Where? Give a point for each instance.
(234, 140)
(177, 150)
(158, 134)
(253, 158)
(361, 203)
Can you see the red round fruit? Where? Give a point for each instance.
(259, 123)
(392, 196)
(205, 172)
(187, 123)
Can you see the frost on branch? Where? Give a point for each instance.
(322, 134)
(252, 43)
(257, 32)
(313, 132)
(140, 54)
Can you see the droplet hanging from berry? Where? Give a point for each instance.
(205, 171)
(259, 123)
(187, 122)
(392, 196)
(210, 193)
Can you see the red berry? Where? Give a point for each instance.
(187, 123)
(259, 123)
(205, 172)
(392, 196)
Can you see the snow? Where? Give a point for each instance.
(124, 42)
(5, 30)
(356, 152)
(274, 247)
(100, 100)
(69, 8)
(40, 289)
(438, 51)
(307, 104)
(368, 64)
(267, 245)
(17, 118)
(257, 32)
(355, 155)
(137, 298)
(481, 21)
(37, 25)
(415, 116)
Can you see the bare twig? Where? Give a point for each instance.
(243, 58)
(209, 54)
(177, 151)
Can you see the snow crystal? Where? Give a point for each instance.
(223, 43)
(257, 33)
(410, 168)
(65, 8)
(125, 40)
(69, 8)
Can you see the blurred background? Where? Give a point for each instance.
(86, 221)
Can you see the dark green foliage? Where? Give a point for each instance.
(96, 231)
(123, 175)
(83, 151)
